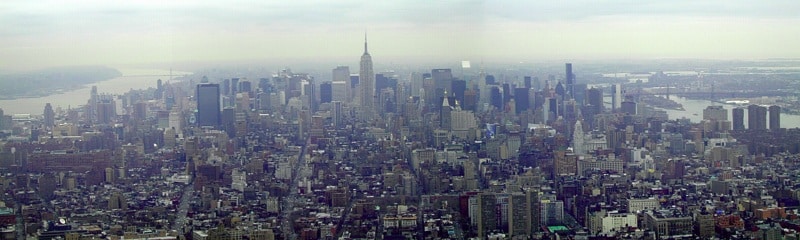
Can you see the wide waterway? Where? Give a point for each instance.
(694, 111)
(130, 79)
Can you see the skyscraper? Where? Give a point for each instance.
(245, 86)
(616, 97)
(521, 99)
(105, 110)
(208, 112)
(595, 100)
(774, 117)
(49, 117)
(487, 214)
(715, 113)
(496, 97)
(570, 79)
(527, 81)
(629, 107)
(578, 139)
(366, 82)
(756, 117)
(458, 87)
(325, 92)
(738, 119)
(336, 114)
(519, 215)
(234, 86)
(342, 74)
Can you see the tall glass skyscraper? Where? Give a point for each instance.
(208, 112)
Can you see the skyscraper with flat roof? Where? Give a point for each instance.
(325, 92)
(756, 117)
(715, 113)
(342, 74)
(208, 105)
(49, 116)
(521, 99)
(570, 79)
(616, 97)
(738, 119)
(774, 117)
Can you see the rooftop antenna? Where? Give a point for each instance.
(365, 41)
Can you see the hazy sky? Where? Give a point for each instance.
(35, 34)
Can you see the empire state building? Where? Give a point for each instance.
(366, 82)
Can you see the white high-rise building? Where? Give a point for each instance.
(578, 139)
(341, 74)
(616, 97)
(340, 91)
(461, 122)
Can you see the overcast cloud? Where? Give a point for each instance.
(37, 34)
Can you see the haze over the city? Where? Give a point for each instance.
(38, 34)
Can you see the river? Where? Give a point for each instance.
(130, 79)
(694, 111)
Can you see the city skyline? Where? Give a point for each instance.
(44, 34)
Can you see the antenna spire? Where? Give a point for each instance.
(365, 42)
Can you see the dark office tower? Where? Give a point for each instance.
(140, 111)
(738, 119)
(159, 94)
(527, 81)
(384, 81)
(774, 117)
(506, 93)
(521, 99)
(90, 113)
(570, 79)
(519, 217)
(49, 117)
(228, 120)
(579, 93)
(208, 105)
(538, 100)
(353, 81)
(245, 86)
(265, 85)
(459, 87)
(551, 109)
(496, 98)
(325, 92)
(366, 78)
(442, 78)
(537, 84)
(441, 83)
(106, 110)
(470, 100)
(234, 85)
(490, 80)
(756, 117)
(487, 214)
(226, 87)
(629, 107)
(595, 100)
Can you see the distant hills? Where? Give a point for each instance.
(52, 80)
